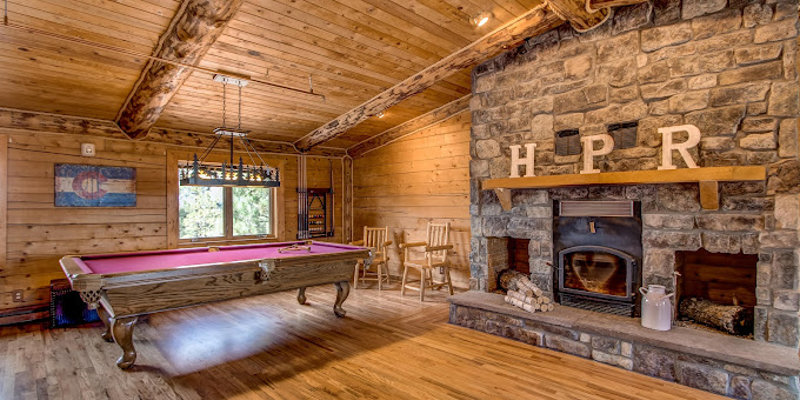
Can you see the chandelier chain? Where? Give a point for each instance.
(224, 106)
(198, 173)
(239, 126)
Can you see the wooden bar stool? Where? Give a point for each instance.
(434, 255)
(378, 269)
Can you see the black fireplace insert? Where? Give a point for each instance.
(598, 255)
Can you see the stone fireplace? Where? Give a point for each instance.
(730, 72)
(728, 68)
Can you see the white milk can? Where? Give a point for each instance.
(656, 308)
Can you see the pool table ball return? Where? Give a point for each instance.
(124, 286)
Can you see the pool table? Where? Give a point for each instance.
(124, 286)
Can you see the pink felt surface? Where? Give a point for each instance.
(180, 258)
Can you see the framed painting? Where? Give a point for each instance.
(94, 186)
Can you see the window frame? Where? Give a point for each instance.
(174, 157)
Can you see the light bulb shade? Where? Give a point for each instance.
(481, 18)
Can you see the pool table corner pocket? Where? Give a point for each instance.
(265, 270)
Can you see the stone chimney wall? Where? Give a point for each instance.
(728, 67)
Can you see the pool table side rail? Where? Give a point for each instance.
(117, 292)
(71, 265)
(151, 296)
(122, 254)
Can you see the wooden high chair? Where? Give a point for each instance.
(434, 255)
(377, 239)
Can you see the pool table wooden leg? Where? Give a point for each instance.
(342, 291)
(106, 318)
(301, 295)
(122, 330)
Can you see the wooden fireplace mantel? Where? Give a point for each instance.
(708, 178)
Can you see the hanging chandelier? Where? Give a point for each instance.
(255, 174)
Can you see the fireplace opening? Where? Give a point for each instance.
(518, 259)
(508, 255)
(598, 251)
(597, 270)
(717, 290)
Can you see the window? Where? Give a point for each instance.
(252, 211)
(213, 216)
(202, 212)
(225, 213)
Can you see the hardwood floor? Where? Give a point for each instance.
(269, 347)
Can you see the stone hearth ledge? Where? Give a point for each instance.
(762, 356)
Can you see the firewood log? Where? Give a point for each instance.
(545, 300)
(531, 308)
(516, 295)
(530, 286)
(736, 320)
(517, 303)
(513, 280)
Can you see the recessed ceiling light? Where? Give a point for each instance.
(481, 18)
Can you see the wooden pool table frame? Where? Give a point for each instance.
(122, 297)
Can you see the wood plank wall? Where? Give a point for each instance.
(420, 178)
(39, 233)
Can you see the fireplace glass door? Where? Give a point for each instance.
(596, 271)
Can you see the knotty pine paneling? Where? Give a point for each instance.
(39, 233)
(419, 178)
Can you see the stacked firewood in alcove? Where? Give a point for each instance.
(523, 293)
(733, 319)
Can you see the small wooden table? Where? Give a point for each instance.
(124, 286)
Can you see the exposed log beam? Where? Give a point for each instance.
(203, 140)
(193, 30)
(536, 21)
(54, 123)
(11, 120)
(598, 4)
(575, 11)
(409, 127)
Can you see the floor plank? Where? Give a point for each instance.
(269, 347)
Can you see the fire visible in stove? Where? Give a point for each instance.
(596, 272)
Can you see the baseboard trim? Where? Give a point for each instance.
(24, 314)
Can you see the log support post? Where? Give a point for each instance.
(504, 195)
(709, 195)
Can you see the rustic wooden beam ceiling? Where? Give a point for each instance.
(536, 21)
(194, 29)
(423, 121)
(90, 59)
(576, 13)
(69, 125)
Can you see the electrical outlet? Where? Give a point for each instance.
(17, 295)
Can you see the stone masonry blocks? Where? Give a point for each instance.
(728, 67)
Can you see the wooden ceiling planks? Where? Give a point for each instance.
(353, 49)
(44, 73)
(537, 21)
